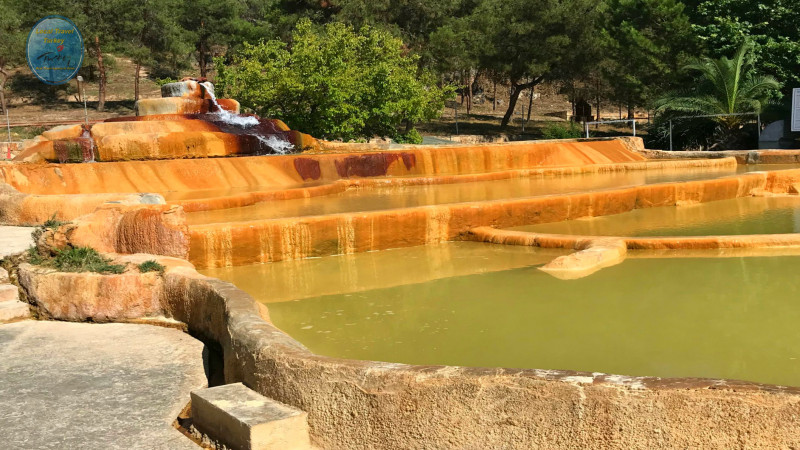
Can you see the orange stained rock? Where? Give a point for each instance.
(64, 132)
(182, 105)
(117, 228)
(105, 129)
(241, 243)
(545, 240)
(293, 170)
(597, 254)
(221, 200)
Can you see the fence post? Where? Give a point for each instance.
(455, 111)
(634, 127)
(586, 128)
(759, 127)
(8, 124)
(670, 135)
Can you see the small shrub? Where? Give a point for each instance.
(34, 257)
(151, 266)
(167, 80)
(78, 259)
(50, 224)
(562, 131)
(412, 137)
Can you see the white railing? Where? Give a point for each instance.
(600, 122)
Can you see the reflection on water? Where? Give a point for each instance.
(380, 198)
(293, 280)
(748, 215)
(720, 318)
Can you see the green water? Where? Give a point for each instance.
(742, 216)
(381, 198)
(735, 318)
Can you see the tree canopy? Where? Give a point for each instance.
(333, 82)
(623, 52)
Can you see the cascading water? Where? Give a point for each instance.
(277, 144)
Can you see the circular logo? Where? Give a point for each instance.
(54, 50)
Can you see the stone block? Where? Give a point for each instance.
(12, 311)
(8, 292)
(240, 418)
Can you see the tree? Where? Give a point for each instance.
(413, 21)
(12, 51)
(722, 26)
(333, 82)
(645, 43)
(724, 86)
(214, 25)
(529, 41)
(149, 34)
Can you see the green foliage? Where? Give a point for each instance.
(644, 45)
(167, 80)
(333, 82)
(50, 224)
(78, 259)
(151, 266)
(27, 132)
(723, 86)
(722, 26)
(570, 130)
(412, 137)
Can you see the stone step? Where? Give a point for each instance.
(8, 292)
(240, 418)
(13, 310)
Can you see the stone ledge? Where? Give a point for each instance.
(239, 418)
(8, 293)
(12, 311)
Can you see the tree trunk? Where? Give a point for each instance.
(597, 118)
(136, 82)
(517, 89)
(201, 51)
(631, 112)
(201, 59)
(101, 68)
(469, 92)
(494, 96)
(409, 125)
(512, 104)
(530, 105)
(4, 76)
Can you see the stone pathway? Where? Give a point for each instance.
(95, 386)
(14, 240)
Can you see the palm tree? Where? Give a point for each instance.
(724, 86)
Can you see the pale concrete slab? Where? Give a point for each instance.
(8, 292)
(13, 310)
(110, 386)
(15, 240)
(243, 419)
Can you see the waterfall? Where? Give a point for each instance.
(278, 144)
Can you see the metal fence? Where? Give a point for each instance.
(709, 116)
(601, 122)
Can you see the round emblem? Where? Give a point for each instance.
(54, 50)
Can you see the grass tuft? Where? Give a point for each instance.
(151, 266)
(79, 259)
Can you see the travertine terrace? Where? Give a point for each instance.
(244, 207)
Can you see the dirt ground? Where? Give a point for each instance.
(38, 111)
